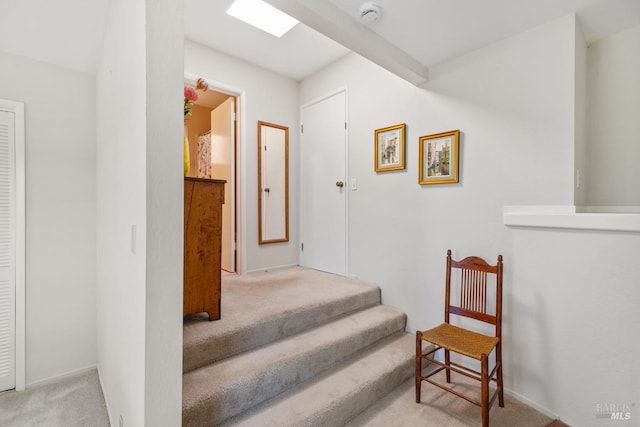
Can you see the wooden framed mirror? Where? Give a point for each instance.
(273, 183)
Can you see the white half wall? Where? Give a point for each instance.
(613, 91)
(165, 211)
(515, 104)
(60, 214)
(272, 98)
(573, 319)
(139, 213)
(121, 208)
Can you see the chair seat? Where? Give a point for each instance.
(469, 343)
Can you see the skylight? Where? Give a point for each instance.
(263, 16)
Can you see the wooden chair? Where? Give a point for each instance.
(472, 302)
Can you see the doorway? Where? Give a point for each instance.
(212, 133)
(324, 188)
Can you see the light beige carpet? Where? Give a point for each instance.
(70, 402)
(78, 401)
(442, 409)
(266, 320)
(260, 308)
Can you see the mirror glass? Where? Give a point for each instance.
(273, 183)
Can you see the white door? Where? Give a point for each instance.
(222, 167)
(7, 252)
(324, 189)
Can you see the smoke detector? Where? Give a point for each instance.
(369, 12)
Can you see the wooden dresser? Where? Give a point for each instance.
(203, 200)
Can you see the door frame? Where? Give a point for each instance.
(239, 162)
(17, 108)
(321, 98)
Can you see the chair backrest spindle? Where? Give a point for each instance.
(473, 290)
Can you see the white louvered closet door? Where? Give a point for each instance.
(7, 252)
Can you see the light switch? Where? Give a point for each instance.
(133, 239)
(354, 184)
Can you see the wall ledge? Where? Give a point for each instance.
(601, 218)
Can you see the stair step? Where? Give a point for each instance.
(264, 307)
(219, 391)
(339, 395)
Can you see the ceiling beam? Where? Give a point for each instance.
(324, 17)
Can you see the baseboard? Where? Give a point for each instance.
(531, 403)
(106, 400)
(277, 267)
(56, 378)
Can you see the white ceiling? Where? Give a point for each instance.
(433, 31)
(420, 33)
(297, 54)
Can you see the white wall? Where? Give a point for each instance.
(514, 113)
(581, 174)
(573, 319)
(269, 97)
(613, 88)
(121, 203)
(139, 181)
(165, 210)
(515, 104)
(60, 213)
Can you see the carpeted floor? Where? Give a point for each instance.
(441, 409)
(78, 401)
(70, 402)
(260, 308)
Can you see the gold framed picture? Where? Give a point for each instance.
(390, 148)
(439, 154)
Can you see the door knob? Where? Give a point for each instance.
(339, 184)
(267, 190)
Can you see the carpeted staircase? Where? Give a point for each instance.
(294, 347)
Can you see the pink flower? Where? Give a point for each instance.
(190, 94)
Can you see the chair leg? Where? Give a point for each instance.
(418, 365)
(447, 361)
(500, 387)
(485, 390)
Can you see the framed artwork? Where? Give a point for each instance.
(439, 154)
(390, 148)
